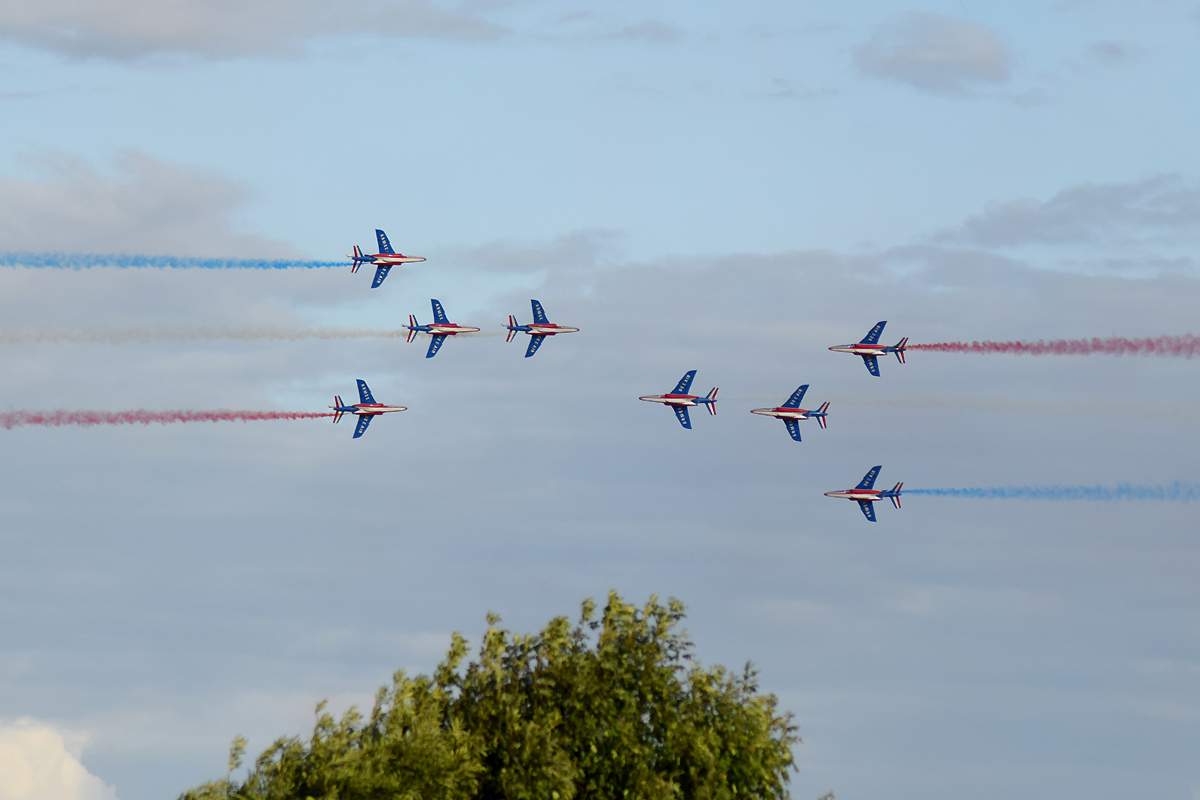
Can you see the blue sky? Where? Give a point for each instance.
(724, 189)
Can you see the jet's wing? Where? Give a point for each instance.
(439, 313)
(539, 313)
(685, 383)
(868, 510)
(872, 365)
(868, 481)
(361, 428)
(380, 274)
(685, 419)
(873, 335)
(797, 397)
(385, 247)
(793, 426)
(435, 343)
(534, 343)
(364, 392)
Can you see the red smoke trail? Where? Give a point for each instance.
(56, 419)
(1185, 346)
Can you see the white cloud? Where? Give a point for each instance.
(37, 763)
(935, 53)
(131, 29)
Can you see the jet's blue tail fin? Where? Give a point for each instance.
(868, 481)
(797, 397)
(439, 313)
(385, 245)
(685, 383)
(364, 392)
(873, 335)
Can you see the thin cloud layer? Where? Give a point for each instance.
(140, 204)
(133, 29)
(1090, 213)
(37, 764)
(935, 53)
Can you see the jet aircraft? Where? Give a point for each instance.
(865, 493)
(870, 349)
(384, 260)
(365, 409)
(439, 329)
(679, 400)
(538, 330)
(791, 413)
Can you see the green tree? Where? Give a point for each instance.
(613, 706)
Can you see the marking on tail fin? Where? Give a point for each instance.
(364, 392)
(797, 397)
(439, 313)
(681, 413)
(685, 383)
(385, 246)
(873, 335)
(361, 428)
(868, 481)
(380, 274)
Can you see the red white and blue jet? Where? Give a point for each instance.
(438, 330)
(870, 349)
(791, 413)
(865, 493)
(538, 330)
(366, 409)
(384, 260)
(679, 400)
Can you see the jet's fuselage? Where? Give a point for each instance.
(369, 409)
(782, 412)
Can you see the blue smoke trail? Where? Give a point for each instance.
(127, 261)
(1176, 492)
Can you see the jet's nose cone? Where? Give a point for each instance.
(759, 410)
(646, 397)
(830, 494)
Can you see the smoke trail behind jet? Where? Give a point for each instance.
(1176, 492)
(87, 419)
(1186, 346)
(149, 335)
(134, 261)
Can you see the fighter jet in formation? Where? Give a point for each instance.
(438, 330)
(865, 493)
(679, 400)
(870, 349)
(538, 330)
(366, 409)
(384, 260)
(791, 413)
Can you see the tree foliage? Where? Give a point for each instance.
(613, 706)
